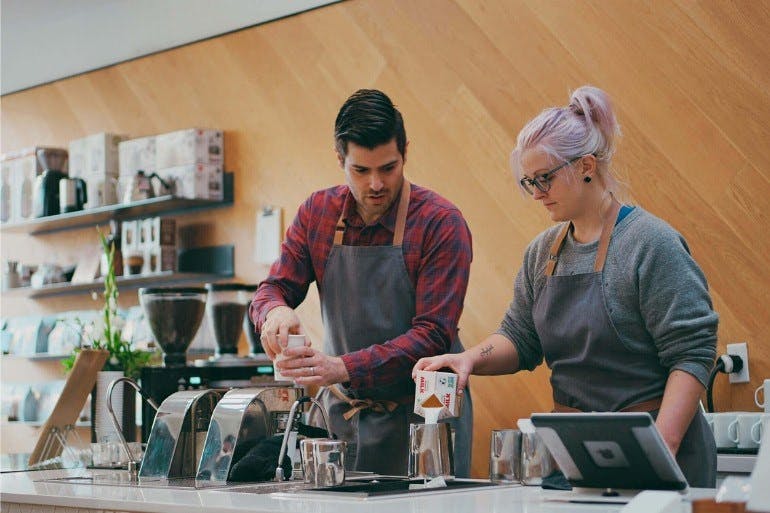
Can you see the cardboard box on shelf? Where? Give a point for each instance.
(189, 146)
(94, 158)
(158, 259)
(158, 231)
(195, 181)
(137, 155)
(129, 234)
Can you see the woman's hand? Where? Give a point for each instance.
(460, 363)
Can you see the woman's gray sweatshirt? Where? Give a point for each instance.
(655, 294)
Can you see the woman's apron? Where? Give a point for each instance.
(592, 370)
(366, 296)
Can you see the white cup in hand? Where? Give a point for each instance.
(294, 341)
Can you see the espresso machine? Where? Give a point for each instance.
(174, 315)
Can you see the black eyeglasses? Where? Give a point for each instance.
(543, 182)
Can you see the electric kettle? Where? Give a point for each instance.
(140, 187)
(72, 194)
(45, 196)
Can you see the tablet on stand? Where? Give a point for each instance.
(609, 457)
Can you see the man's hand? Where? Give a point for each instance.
(279, 322)
(306, 366)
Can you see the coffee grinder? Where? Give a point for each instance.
(174, 315)
(226, 309)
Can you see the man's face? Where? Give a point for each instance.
(374, 177)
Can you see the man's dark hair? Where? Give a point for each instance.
(368, 118)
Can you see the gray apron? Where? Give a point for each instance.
(367, 297)
(591, 368)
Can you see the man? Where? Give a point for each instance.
(391, 261)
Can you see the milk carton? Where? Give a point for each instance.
(435, 395)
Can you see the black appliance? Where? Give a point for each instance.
(161, 382)
(45, 197)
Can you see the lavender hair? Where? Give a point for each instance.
(587, 126)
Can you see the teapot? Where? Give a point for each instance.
(140, 187)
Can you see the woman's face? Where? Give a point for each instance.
(563, 199)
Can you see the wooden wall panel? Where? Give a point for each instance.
(690, 81)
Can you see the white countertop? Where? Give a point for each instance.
(28, 488)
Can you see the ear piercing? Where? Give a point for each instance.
(587, 179)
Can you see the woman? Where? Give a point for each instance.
(610, 296)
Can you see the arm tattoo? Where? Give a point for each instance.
(486, 351)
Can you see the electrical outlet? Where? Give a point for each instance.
(740, 349)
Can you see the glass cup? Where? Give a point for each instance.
(505, 456)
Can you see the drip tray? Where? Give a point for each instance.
(380, 488)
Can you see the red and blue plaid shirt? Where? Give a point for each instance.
(437, 254)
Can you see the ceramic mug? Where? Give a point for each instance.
(725, 426)
(744, 433)
(765, 389)
(759, 427)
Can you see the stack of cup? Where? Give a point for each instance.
(737, 430)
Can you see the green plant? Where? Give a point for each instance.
(107, 332)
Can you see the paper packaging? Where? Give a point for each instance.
(94, 158)
(195, 181)
(157, 240)
(294, 341)
(135, 155)
(442, 385)
(189, 146)
(159, 259)
(157, 232)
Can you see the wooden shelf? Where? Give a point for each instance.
(124, 282)
(161, 205)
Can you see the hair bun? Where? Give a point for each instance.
(576, 108)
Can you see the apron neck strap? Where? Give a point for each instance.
(398, 233)
(403, 207)
(604, 242)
